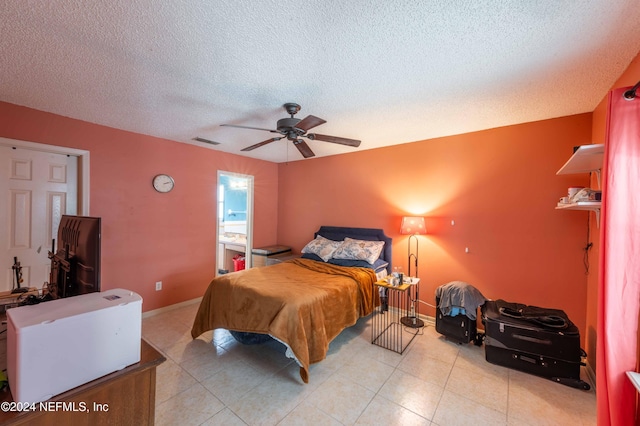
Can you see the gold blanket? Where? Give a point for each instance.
(303, 303)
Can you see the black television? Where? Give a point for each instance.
(75, 265)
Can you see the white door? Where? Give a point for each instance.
(36, 189)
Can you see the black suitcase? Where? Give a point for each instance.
(459, 328)
(534, 340)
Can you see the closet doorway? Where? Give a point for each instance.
(234, 218)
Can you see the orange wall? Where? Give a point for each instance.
(629, 78)
(499, 186)
(147, 236)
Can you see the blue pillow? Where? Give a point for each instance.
(377, 266)
(312, 256)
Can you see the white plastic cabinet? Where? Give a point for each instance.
(586, 159)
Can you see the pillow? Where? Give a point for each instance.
(359, 250)
(377, 266)
(312, 256)
(322, 247)
(381, 275)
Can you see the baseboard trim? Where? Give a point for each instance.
(428, 320)
(170, 307)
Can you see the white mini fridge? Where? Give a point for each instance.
(61, 344)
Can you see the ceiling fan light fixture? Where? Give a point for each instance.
(294, 128)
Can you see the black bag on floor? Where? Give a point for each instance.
(459, 328)
(535, 340)
(457, 305)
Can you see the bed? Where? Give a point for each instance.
(303, 303)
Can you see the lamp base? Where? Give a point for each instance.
(412, 322)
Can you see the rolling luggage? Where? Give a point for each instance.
(459, 328)
(538, 341)
(456, 311)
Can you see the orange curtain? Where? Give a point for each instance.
(619, 280)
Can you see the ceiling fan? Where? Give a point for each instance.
(295, 129)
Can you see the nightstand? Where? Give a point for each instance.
(262, 256)
(272, 260)
(387, 328)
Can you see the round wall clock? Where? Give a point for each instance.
(163, 183)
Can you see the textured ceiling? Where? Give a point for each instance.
(385, 72)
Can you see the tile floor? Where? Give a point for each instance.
(434, 382)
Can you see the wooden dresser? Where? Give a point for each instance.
(125, 397)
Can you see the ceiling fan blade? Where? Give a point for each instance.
(333, 139)
(258, 145)
(249, 127)
(303, 148)
(309, 122)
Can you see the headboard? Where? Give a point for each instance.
(339, 233)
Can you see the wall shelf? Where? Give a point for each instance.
(586, 159)
(580, 205)
(593, 206)
(635, 379)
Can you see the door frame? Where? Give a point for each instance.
(83, 166)
(249, 238)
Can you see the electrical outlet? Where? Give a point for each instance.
(158, 285)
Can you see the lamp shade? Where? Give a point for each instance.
(412, 225)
